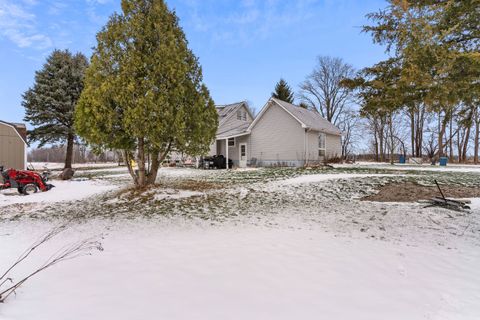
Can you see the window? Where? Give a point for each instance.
(243, 150)
(231, 142)
(242, 115)
(321, 144)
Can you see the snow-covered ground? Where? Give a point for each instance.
(63, 191)
(313, 178)
(165, 270)
(254, 244)
(59, 166)
(413, 167)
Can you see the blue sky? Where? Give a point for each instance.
(244, 46)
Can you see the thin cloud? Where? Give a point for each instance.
(249, 20)
(17, 24)
(92, 12)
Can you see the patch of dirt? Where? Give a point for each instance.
(147, 193)
(411, 192)
(190, 184)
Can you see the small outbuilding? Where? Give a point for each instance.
(13, 145)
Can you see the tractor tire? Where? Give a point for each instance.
(29, 189)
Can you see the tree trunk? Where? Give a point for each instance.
(375, 140)
(450, 144)
(477, 135)
(381, 141)
(441, 133)
(69, 156)
(413, 135)
(465, 144)
(392, 141)
(419, 133)
(141, 176)
(156, 159)
(128, 158)
(459, 144)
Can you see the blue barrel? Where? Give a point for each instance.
(443, 161)
(402, 159)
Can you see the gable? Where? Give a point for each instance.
(229, 111)
(306, 118)
(234, 119)
(271, 103)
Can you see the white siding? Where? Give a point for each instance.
(234, 152)
(277, 139)
(312, 146)
(213, 148)
(334, 146)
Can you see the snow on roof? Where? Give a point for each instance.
(308, 118)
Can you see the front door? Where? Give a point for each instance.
(243, 155)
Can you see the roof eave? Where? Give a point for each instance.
(233, 136)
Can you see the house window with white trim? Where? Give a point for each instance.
(321, 144)
(231, 142)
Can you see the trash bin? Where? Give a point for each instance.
(443, 161)
(402, 159)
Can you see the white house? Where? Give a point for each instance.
(282, 134)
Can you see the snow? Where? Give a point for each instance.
(64, 191)
(58, 166)
(324, 255)
(313, 178)
(187, 270)
(412, 167)
(475, 205)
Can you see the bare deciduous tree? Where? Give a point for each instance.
(348, 123)
(322, 89)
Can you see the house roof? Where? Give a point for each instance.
(307, 118)
(225, 112)
(19, 127)
(233, 132)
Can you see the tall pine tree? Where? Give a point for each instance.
(50, 104)
(144, 92)
(283, 92)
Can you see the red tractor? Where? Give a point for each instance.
(26, 181)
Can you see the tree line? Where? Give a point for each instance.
(423, 100)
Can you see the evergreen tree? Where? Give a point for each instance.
(144, 92)
(304, 105)
(283, 92)
(437, 43)
(50, 104)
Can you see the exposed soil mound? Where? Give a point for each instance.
(411, 192)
